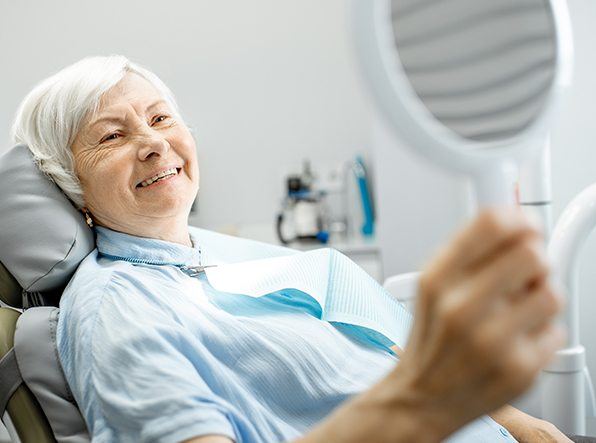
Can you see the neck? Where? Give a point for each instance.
(175, 231)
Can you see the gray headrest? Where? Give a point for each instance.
(43, 238)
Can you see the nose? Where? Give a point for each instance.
(152, 145)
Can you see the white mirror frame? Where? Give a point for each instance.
(488, 162)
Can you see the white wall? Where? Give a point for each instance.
(265, 83)
(419, 205)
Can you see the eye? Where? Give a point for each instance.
(110, 137)
(159, 119)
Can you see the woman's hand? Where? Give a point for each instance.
(483, 326)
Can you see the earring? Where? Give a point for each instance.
(88, 218)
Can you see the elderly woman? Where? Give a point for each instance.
(153, 352)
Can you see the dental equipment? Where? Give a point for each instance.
(567, 379)
(473, 86)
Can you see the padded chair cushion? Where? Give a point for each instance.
(43, 238)
(37, 358)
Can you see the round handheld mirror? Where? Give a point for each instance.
(471, 84)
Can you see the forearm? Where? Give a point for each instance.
(508, 417)
(526, 428)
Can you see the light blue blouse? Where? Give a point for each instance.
(153, 354)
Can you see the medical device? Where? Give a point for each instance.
(303, 211)
(473, 86)
(568, 394)
(359, 169)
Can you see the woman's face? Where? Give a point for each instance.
(136, 161)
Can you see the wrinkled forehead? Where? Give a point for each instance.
(132, 90)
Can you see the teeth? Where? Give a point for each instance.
(163, 174)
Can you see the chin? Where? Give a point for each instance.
(167, 208)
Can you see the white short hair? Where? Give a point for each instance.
(50, 116)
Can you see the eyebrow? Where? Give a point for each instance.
(161, 101)
(106, 119)
(111, 118)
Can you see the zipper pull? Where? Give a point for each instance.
(195, 271)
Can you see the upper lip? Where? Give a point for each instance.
(158, 171)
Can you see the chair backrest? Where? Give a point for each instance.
(27, 419)
(37, 357)
(39, 404)
(42, 408)
(43, 238)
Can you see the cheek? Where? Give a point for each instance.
(195, 163)
(106, 180)
(188, 150)
(102, 193)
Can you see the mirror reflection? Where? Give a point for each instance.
(482, 68)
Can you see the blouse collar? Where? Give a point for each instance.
(118, 245)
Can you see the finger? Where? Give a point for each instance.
(532, 311)
(521, 268)
(511, 272)
(524, 357)
(545, 342)
(489, 232)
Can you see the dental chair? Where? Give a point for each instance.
(42, 240)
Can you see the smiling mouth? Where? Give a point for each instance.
(164, 175)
